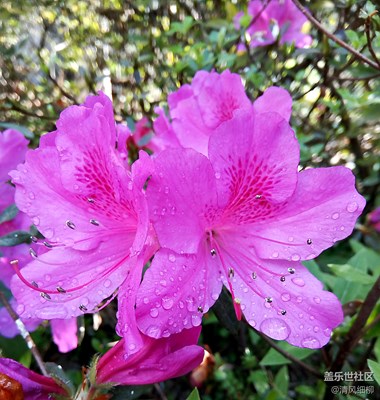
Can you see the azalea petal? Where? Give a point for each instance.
(165, 136)
(34, 386)
(323, 209)
(280, 298)
(255, 158)
(274, 99)
(176, 291)
(158, 360)
(65, 334)
(75, 281)
(182, 187)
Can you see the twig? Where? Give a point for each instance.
(160, 391)
(356, 330)
(290, 357)
(24, 333)
(331, 36)
(369, 40)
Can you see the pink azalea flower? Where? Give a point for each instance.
(34, 386)
(158, 360)
(245, 218)
(197, 109)
(274, 18)
(374, 218)
(91, 210)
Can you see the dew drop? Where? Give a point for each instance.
(298, 281)
(317, 299)
(335, 216)
(316, 329)
(352, 207)
(107, 283)
(311, 343)
(163, 282)
(171, 258)
(217, 175)
(145, 300)
(285, 297)
(275, 254)
(275, 328)
(153, 312)
(295, 257)
(20, 309)
(252, 322)
(167, 303)
(196, 320)
(299, 299)
(327, 332)
(36, 221)
(131, 346)
(47, 278)
(291, 238)
(181, 304)
(32, 196)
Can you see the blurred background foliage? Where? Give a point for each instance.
(54, 53)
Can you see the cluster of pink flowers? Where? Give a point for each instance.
(221, 202)
(274, 20)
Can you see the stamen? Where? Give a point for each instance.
(83, 308)
(283, 312)
(200, 309)
(48, 245)
(45, 296)
(258, 196)
(282, 279)
(33, 253)
(34, 239)
(309, 241)
(70, 224)
(268, 299)
(94, 222)
(90, 200)
(61, 289)
(231, 273)
(254, 275)
(35, 284)
(213, 252)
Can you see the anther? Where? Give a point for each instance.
(13, 262)
(83, 308)
(61, 289)
(33, 253)
(282, 279)
(70, 224)
(309, 241)
(200, 309)
(268, 299)
(283, 312)
(45, 296)
(35, 284)
(258, 196)
(291, 270)
(213, 252)
(34, 239)
(48, 245)
(231, 273)
(237, 301)
(94, 222)
(254, 275)
(90, 200)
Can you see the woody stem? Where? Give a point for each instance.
(24, 333)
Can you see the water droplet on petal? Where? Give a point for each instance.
(107, 283)
(311, 343)
(295, 257)
(145, 300)
(285, 297)
(31, 196)
(181, 304)
(352, 207)
(275, 328)
(167, 303)
(299, 299)
(317, 299)
(131, 346)
(47, 278)
(196, 320)
(252, 322)
(275, 254)
(172, 258)
(316, 329)
(36, 221)
(291, 238)
(20, 309)
(335, 216)
(153, 312)
(298, 281)
(163, 282)
(217, 175)
(327, 332)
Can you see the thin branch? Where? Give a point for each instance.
(368, 36)
(356, 330)
(24, 333)
(331, 36)
(305, 366)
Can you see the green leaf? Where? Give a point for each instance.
(9, 213)
(351, 274)
(15, 238)
(194, 395)
(281, 381)
(58, 374)
(25, 131)
(273, 357)
(375, 368)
